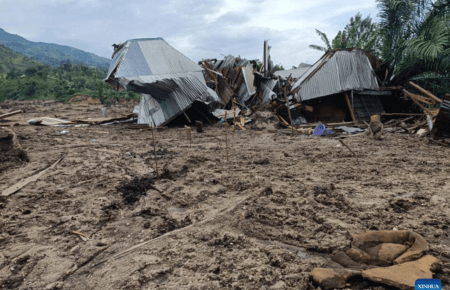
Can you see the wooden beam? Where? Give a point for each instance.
(288, 108)
(10, 114)
(350, 108)
(285, 122)
(400, 114)
(423, 99)
(417, 103)
(187, 117)
(425, 92)
(328, 124)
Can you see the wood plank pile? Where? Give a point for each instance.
(239, 83)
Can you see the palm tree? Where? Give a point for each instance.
(415, 37)
(324, 38)
(361, 33)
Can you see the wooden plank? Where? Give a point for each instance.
(350, 108)
(417, 103)
(423, 99)
(401, 114)
(189, 120)
(289, 109)
(285, 122)
(240, 126)
(10, 114)
(427, 93)
(21, 184)
(328, 124)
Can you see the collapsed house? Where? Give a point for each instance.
(170, 83)
(342, 85)
(294, 73)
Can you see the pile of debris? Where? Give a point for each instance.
(11, 152)
(394, 258)
(343, 89)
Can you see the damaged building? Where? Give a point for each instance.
(342, 85)
(171, 84)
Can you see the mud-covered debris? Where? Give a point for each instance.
(11, 152)
(134, 189)
(170, 224)
(331, 278)
(263, 161)
(404, 276)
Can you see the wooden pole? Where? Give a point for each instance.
(234, 113)
(429, 94)
(188, 133)
(154, 152)
(350, 108)
(10, 114)
(226, 134)
(289, 109)
(187, 117)
(417, 103)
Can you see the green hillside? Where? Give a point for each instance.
(62, 83)
(52, 54)
(10, 60)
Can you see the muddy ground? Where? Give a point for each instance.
(264, 219)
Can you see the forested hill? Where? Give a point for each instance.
(10, 60)
(52, 54)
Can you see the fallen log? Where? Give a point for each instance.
(21, 184)
(10, 114)
(429, 94)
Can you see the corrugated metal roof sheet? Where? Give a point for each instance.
(170, 82)
(149, 57)
(335, 72)
(296, 73)
(160, 106)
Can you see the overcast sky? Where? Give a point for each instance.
(197, 28)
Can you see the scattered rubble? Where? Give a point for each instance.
(261, 194)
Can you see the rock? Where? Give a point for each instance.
(387, 251)
(54, 285)
(378, 237)
(408, 238)
(332, 278)
(415, 251)
(435, 199)
(364, 258)
(344, 260)
(405, 275)
(422, 132)
(278, 286)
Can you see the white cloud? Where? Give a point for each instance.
(198, 28)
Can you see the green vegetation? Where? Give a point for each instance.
(361, 33)
(12, 60)
(415, 36)
(62, 83)
(412, 37)
(52, 54)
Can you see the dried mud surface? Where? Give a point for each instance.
(262, 220)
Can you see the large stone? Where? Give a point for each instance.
(415, 251)
(418, 245)
(387, 251)
(332, 278)
(405, 275)
(344, 260)
(364, 258)
(371, 239)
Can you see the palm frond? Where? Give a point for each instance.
(317, 47)
(324, 38)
